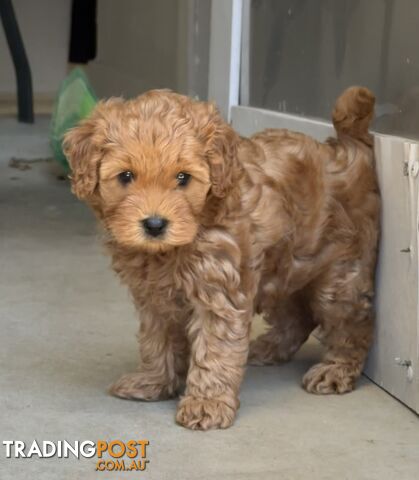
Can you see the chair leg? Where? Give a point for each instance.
(20, 61)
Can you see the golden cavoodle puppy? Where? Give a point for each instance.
(206, 228)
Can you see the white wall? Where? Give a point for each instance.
(137, 46)
(145, 44)
(142, 44)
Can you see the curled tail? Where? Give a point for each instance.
(353, 113)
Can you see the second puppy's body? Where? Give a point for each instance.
(278, 224)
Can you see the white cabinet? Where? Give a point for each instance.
(393, 361)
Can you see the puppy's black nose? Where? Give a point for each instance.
(155, 226)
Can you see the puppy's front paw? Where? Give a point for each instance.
(326, 378)
(205, 413)
(139, 386)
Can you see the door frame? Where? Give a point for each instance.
(229, 58)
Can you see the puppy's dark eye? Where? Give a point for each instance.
(126, 177)
(183, 179)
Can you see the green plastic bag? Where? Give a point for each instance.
(75, 101)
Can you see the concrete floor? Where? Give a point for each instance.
(67, 331)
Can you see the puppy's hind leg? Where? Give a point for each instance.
(343, 304)
(290, 324)
(163, 361)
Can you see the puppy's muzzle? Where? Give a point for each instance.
(154, 226)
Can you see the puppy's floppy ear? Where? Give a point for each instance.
(83, 155)
(221, 148)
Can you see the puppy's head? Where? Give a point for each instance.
(149, 166)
